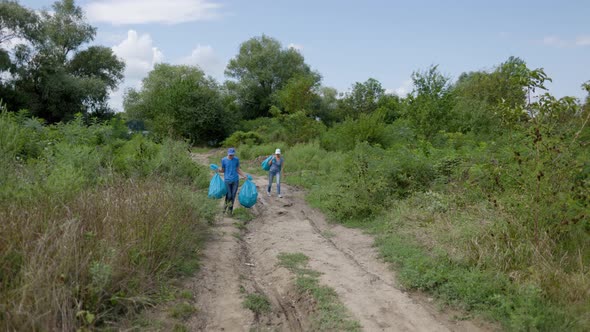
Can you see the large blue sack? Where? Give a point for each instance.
(248, 194)
(217, 188)
(266, 163)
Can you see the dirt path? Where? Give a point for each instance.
(245, 261)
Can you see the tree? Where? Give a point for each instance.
(180, 101)
(53, 77)
(16, 22)
(363, 98)
(430, 104)
(482, 98)
(261, 68)
(299, 94)
(328, 105)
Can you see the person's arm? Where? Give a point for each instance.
(221, 169)
(239, 169)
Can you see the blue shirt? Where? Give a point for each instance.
(230, 169)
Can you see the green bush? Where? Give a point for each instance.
(239, 137)
(368, 128)
(80, 244)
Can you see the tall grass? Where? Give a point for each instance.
(440, 218)
(92, 224)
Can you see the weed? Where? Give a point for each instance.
(330, 313)
(243, 215)
(182, 310)
(258, 303)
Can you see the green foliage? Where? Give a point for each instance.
(52, 76)
(473, 289)
(258, 303)
(368, 128)
(270, 129)
(300, 128)
(262, 68)
(183, 310)
(243, 214)
(329, 314)
(299, 94)
(86, 236)
(239, 137)
(292, 261)
(431, 103)
(180, 102)
(362, 99)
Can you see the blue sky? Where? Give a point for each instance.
(350, 41)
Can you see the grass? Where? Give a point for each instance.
(257, 303)
(186, 294)
(450, 241)
(182, 310)
(243, 215)
(330, 313)
(94, 225)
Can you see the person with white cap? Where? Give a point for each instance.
(277, 163)
(230, 167)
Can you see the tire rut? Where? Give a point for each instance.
(346, 260)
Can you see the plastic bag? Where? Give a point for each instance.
(266, 163)
(217, 188)
(248, 194)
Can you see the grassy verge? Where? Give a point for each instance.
(330, 313)
(94, 225)
(443, 237)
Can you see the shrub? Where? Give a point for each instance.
(239, 137)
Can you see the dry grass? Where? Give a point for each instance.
(89, 260)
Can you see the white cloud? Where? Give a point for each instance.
(297, 47)
(583, 40)
(206, 59)
(403, 90)
(140, 56)
(555, 41)
(151, 11)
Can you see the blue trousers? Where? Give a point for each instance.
(271, 176)
(230, 197)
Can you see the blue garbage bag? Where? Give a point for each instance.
(213, 167)
(217, 188)
(248, 194)
(266, 163)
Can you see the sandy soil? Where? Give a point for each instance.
(239, 261)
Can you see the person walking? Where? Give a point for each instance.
(277, 163)
(230, 167)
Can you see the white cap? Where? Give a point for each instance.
(278, 151)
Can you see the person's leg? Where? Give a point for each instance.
(279, 183)
(270, 178)
(227, 197)
(234, 191)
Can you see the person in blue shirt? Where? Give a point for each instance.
(230, 167)
(276, 168)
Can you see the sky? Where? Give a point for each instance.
(350, 41)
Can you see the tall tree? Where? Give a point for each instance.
(430, 104)
(363, 98)
(261, 68)
(180, 101)
(300, 94)
(54, 76)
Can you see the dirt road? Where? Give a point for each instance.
(243, 260)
